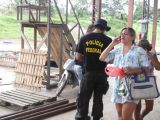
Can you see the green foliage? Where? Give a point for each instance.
(139, 11)
(10, 28)
(137, 27)
(53, 9)
(114, 8)
(41, 2)
(116, 26)
(81, 7)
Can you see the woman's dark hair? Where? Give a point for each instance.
(90, 28)
(131, 32)
(144, 43)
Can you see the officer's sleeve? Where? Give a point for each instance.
(80, 47)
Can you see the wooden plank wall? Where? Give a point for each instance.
(56, 36)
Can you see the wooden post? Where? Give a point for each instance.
(22, 41)
(39, 12)
(35, 37)
(66, 11)
(96, 10)
(93, 11)
(29, 13)
(148, 5)
(145, 16)
(37, 15)
(18, 13)
(61, 53)
(130, 13)
(49, 43)
(154, 31)
(21, 17)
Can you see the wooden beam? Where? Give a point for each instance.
(43, 41)
(39, 24)
(35, 38)
(25, 39)
(93, 10)
(154, 31)
(32, 6)
(22, 41)
(130, 12)
(98, 8)
(73, 27)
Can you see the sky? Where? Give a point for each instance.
(152, 2)
(6, 2)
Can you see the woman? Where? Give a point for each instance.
(133, 60)
(154, 63)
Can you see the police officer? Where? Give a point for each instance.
(78, 67)
(94, 80)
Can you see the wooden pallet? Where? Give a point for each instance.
(23, 99)
(30, 69)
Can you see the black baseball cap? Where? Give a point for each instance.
(102, 23)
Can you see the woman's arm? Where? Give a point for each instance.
(154, 60)
(79, 57)
(130, 71)
(105, 53)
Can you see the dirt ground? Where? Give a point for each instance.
(70, 93)
(7, 75)
(109, 108)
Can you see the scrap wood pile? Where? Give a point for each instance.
(8, 58)
(42, 112)
(30, 69)
(21, 99)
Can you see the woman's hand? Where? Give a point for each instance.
(116, 41)
(105, 53)
(128, 70)
(151, 56)
(154, 60)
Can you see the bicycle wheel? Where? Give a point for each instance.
(62, 83)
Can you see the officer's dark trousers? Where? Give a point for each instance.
(96, 83)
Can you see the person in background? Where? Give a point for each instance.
(133, 60)
(78, 67)
(90, 28)
(154, 63)
(94, 80)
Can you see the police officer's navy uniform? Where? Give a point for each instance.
(94, 80)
